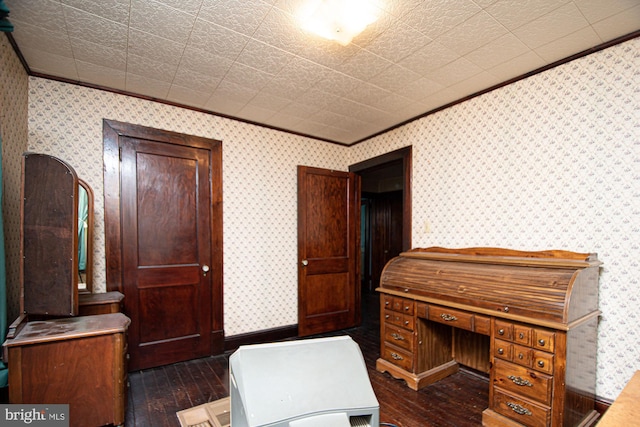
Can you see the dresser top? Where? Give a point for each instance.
(37, 332)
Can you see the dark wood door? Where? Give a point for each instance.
(328, 221)
(170, 248)
(386, 231)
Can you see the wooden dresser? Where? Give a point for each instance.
(79, 361)
(65, 348)
(101, 303)
(527, 319)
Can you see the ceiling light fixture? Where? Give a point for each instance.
(339, 20)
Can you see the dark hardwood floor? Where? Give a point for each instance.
(155, 395)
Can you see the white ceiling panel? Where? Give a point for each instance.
(114, 10)
(146, 86)
(249, 59)
(623, 22)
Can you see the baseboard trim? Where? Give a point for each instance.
(266, 335)
(602, 405)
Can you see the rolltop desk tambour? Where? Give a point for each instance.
(527, 319)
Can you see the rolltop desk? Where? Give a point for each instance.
(527, 319)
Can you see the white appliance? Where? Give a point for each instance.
(319, 382)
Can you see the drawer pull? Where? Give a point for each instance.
(521, 335)
(406, 308)
(501, 351)
(541, 342)
(518, 409)
(520, 381)
(541, 363)
(500, 331)
(397, 337)
(396, 356)
(448, 317)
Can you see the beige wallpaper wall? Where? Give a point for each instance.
(547, 162)
(14, 87)
(259, 188)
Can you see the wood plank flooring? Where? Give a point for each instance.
(155, 395)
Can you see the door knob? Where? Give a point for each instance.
(205, 269)
(305, 262)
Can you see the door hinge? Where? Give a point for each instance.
(120, 153)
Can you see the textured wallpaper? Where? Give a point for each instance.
(259, 188)
(14, 84)
(549, 162)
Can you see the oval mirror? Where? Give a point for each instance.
(85, 237)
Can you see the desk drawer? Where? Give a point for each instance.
(520, 410)
(398, 356)
(398, 336)
(399, 319)
(403, 305)
(523, 381)
(544, 340)
(522, 334)
(522, 355)
(525, 356)
(400, 305)
(503, 330)
(538, 360)
(543, 361)
(391, 317)
(449, 316)
(482, 324)
(503, 349)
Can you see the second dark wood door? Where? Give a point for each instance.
(166, 234)
(328, 221)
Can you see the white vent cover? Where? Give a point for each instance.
(363, 421)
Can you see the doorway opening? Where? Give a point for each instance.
(385, 214)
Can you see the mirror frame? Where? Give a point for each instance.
(89, 266)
